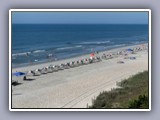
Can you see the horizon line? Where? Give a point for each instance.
(83, 23)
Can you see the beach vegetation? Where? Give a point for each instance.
(130, 93)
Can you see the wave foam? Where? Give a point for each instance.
(114, 46)
(66, 48)
(21, 54)
(38, 51)
(27, 53)
(99, 42)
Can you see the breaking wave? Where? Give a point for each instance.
(99, 42)
(67, 48)
(21, 54)
(38, 51)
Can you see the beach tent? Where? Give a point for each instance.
(19, 73)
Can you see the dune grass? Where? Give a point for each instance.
(131, 93)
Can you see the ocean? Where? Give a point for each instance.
(36, 43)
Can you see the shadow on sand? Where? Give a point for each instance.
(29, 79)
(15, 83)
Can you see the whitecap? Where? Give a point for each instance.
(21, 54)
(97, 42)
(66, 48)
(38, 51)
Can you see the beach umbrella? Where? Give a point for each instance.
(19, 73)
(92, 54)
(129, 50)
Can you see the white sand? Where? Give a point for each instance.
(74, 87)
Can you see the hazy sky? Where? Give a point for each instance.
(81, 17)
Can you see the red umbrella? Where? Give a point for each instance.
(92, 54)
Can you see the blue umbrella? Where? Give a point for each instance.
(18, 73)
(130, 50)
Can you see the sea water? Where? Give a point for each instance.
(35, 43)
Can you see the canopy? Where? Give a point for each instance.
(18, 73)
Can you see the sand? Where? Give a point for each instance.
(75, 87)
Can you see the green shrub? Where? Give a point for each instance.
(141, 102)
(133, 93)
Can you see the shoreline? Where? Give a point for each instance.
(75, 87)
(74, 57)
(43, 62)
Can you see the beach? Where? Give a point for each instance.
(75, 87)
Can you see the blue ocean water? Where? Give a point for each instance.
(34, 43)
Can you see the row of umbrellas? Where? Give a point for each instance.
(129, 50)
(22, 73)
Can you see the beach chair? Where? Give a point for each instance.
(98, 59)
(54, 68)
(30, 73)
(103, 56)
(121, 62)
(49, 69)
(74, 63)
(82, 62)
(132, 58)
(77, 63)
(37, 72)
(86, 62)
(44, 70)
(60, 67)
(71, 64)
(66, 66)
(90, 60)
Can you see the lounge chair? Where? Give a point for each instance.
(60, 67)
(71, 64)
(97, 59)
(79, 62)
(49, 69)
(54, 68)
(103, 56)
(37, 72)
(44, 71)
(132, 58)
(120, 62)
(30, 73)
(86, 61)
(66, 66)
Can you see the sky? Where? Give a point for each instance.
(79, 17)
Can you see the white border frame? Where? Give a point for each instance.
(81, 10)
